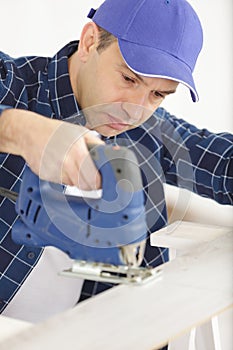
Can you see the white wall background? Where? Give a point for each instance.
(42, 27)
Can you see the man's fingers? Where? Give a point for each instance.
(78, 168)
(81, 172)
(63, 154)
(89, 176)
(92, 139)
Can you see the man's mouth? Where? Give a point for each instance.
(116, 124)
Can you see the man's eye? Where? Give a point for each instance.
(158, 94)
(128, 79)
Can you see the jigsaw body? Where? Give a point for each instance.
(104, 236)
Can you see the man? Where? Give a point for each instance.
(129, 58)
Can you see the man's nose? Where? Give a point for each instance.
(140, 98)
(137, 107)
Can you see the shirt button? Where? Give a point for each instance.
(31, 255)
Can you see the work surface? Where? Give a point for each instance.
(191, 289)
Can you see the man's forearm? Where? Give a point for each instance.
(10, 134)
(55, 150)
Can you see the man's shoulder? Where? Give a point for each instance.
(16, 74)
(24, 66)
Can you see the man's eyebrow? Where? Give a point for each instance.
(166, 92)
(139, 77)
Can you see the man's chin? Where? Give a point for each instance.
(109, 130)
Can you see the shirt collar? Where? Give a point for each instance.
(63, 101)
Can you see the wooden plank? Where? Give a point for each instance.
(184, 236)
(192, 289)
(9, 327)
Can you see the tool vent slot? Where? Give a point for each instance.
(88, 223)
(36, 214)
(28, 207)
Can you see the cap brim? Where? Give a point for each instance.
(151, 62)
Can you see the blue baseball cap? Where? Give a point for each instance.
(157, 38)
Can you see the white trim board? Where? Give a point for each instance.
(192, 288)
(9, 327)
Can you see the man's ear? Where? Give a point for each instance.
(88, 40)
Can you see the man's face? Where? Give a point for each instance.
(113, 98)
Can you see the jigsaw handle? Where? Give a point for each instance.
(86, 229)
(121, 176)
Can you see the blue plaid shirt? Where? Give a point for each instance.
(168, 150)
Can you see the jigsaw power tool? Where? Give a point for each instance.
(104, 236)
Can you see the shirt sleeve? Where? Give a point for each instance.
(3, 107)
(197, 159)
(13, 92)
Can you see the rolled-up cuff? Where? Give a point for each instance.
(3, 107)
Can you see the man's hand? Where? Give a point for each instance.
(55, 150)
